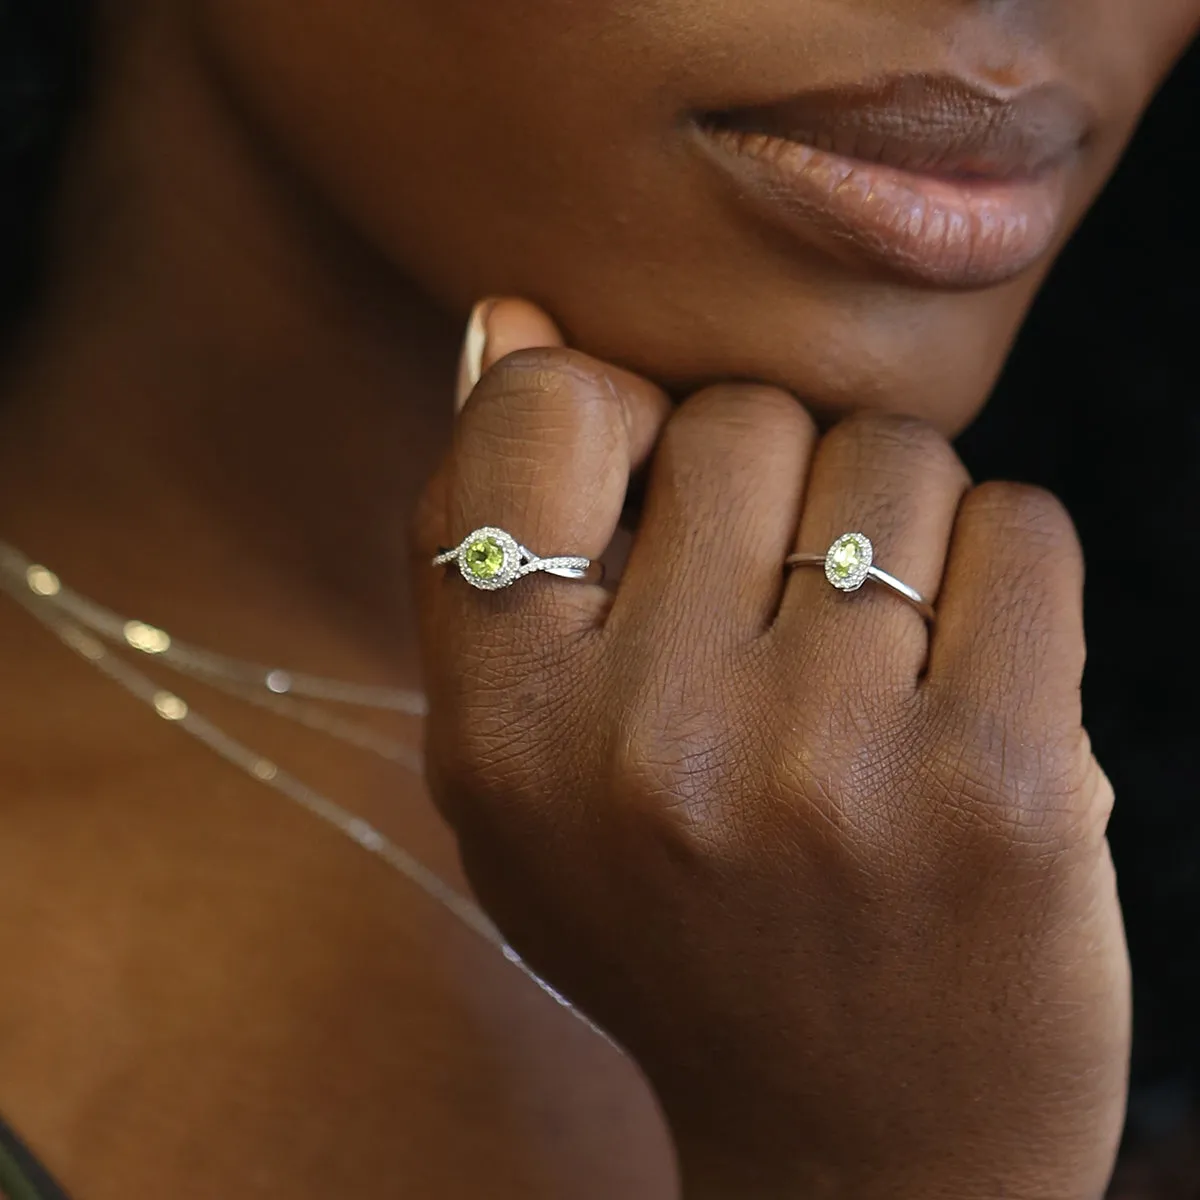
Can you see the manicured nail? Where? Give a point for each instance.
(470, 363)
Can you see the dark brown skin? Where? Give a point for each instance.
(273, 224)
(841, 887)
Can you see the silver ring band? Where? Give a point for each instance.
(850, 562)
(490, 558)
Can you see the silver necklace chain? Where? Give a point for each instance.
(83, 626)
(192, 660)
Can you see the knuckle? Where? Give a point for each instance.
(537, 368)
(552, 390)
(1009, 792)
(676, 770)
(1031, 513)
(755, 409)
(741, 427)
(867, 438)
(890, 431)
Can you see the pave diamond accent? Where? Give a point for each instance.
(848, 561)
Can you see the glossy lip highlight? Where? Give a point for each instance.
(924, 175)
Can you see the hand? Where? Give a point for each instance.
(840, 885)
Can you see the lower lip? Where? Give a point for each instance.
(947, 233)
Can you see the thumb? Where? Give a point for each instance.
(498, 327)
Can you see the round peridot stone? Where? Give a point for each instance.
(484, 558)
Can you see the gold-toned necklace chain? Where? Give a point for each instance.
(82, 626)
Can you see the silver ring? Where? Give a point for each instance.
(850, 562)
(489, 558)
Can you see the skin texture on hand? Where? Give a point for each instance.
(842, 888)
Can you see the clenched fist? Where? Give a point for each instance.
(838, 881)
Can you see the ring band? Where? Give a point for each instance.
(489, 558)
(850, 562)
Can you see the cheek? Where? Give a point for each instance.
(449, 133)
(1123, 51)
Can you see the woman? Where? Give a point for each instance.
(834, 874)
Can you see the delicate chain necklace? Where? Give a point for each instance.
(84, 627)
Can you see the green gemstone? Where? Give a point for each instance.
(484, 558)
(846, 557)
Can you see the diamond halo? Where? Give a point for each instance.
(477, 558)
(848, 561)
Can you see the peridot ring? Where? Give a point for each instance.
(850, 562)
(489, 558)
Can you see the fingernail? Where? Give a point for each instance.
(470, 363)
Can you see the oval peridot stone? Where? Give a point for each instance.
(846, 557)
(484, 558)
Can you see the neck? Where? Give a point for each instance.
(225, 406)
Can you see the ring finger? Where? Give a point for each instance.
(899, 482)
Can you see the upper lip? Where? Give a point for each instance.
(928, 124)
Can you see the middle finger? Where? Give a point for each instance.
(720, 513)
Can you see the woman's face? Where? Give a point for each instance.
(557, 149)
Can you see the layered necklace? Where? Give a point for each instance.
(108, 640)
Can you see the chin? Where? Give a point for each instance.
(925, 355)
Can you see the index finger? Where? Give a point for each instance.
(543, 449)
